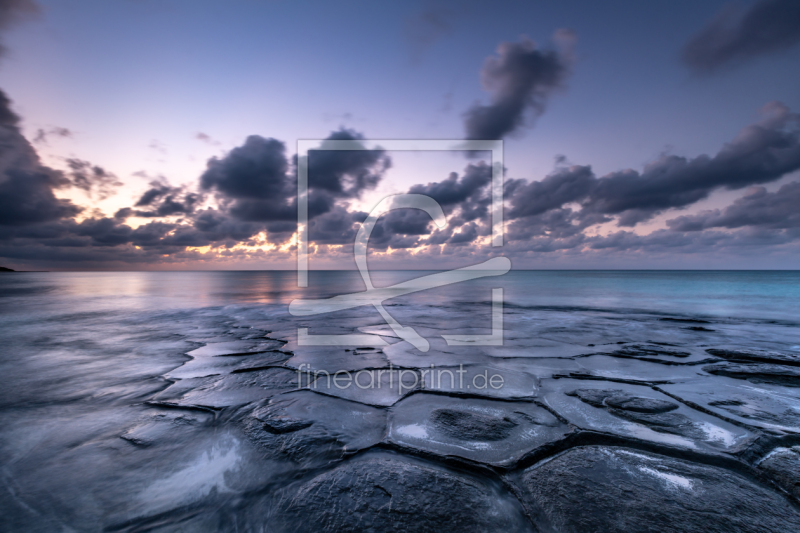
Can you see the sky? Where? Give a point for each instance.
(162, 135)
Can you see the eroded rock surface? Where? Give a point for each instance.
(642, 413)
(384, 492)
(783, 466)
(758, 372)
(598, 488)
(306, 427)
(485, 431)
(756, 355)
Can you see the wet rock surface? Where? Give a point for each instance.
(482, 431)
(385, 492)
(641, 413)
(598, 488)
(220, 418)
(783, 465)
(752, 354)
(757, 372)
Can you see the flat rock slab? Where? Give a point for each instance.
(758, 372)
(486, 431)
(633, 369)
(597, 488)
(381, 387)
(214, 365)
(440, 354)
(652, 351)
(307, 427)
(334, 358)
(163, 426)
(769, 407)
(235, 347)
(783, 466)
(756, 355)
(480, 380)
(232, 389)
(640, 412)
(384, 492)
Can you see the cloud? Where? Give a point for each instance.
(336, 227)
(92, 178)
(519, 78)
(734, 36)
(204, 137)
(252, 180)
(346, 173)
(555, 224)
(42, 135)
(26, 186)
(760, 153)
(165, 200)
(469, 193)
(758, 208)
(13, 11)
(564, 186)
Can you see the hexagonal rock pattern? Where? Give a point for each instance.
(383, 492)
(306, 427)
(770, 407)
(597, 488)
(487, 431)
(639, 412)
(783, 465)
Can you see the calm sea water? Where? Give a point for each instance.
(743, 294)
(82, 354)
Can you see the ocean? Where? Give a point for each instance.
(107, 424)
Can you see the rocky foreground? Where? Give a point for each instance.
(614, 436)
(216, 419)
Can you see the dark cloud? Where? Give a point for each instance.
(776, 210)
(216, 226)
(734, 36)
(455, 189)
(761, 153)
(252, 180)
(555, 223)
(467, 234)
(708, 243)
(165, 200)
(26, 186)
(346, 173)
(92, 178)
(519, 78)
(99, 231)
(469, 195)
(566, 185)
(337, 227)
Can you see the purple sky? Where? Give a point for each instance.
(162, 135)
